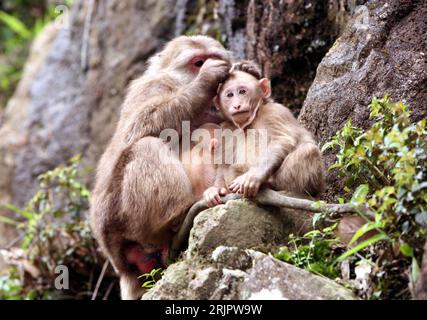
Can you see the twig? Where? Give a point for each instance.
(86, 33)
(107, 293)
(267, 197)
(101, 276)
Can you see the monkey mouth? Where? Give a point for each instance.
(240, 112)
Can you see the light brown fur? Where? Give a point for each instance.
(293, 161)
(137, 200)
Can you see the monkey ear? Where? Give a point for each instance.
(265, 86)
(216, 102)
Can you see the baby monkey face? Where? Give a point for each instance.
(241, 95)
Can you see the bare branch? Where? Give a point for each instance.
(268, 197)
(101, 276)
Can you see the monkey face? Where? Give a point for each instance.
(240, 97)
(146, 259)
(185, 55)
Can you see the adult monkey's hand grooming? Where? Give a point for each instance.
(138, 201)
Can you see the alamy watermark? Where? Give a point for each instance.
(217, 146)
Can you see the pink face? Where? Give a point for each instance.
(236, 100)
(147, 260)
(240, 97)
(197, 60)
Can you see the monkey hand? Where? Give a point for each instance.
(212, 73)
(247, 184)
(212, 196)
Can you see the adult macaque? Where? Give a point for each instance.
(292, 161)
(142, 191)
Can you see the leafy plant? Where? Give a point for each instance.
(54, 232)
(386, 167)
(316, 252)
(17, 30)
(151, 278)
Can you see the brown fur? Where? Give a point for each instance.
(293, 162)
(137, 200)
(201, 172)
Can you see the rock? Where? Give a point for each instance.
(238, 223)
(12, 129)
(272, 279)
(382, 51)
(263, 278)
(219, 264)
(174, 283)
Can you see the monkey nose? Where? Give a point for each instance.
(237, 107)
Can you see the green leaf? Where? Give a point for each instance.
(406, 250)
(359, 196)
(415, 270)
(26, 214)
(362, 230)
(15, 25)
(362, 245)
(8, 221)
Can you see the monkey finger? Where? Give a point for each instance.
(234, 187)
(209, 201)
(245, 191)
(223, 191)
(218, 199)
(254, 191)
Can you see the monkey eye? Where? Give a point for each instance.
(199, 63)
(242, 91)
(230, 95)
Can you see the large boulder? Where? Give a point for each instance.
(238, 223)
(12, 123)
(231, 273)
(221, 262)
(382, 51)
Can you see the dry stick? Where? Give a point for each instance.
(98, 283)
(84, 54)
(267, 197)
(110, 287)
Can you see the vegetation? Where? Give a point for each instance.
(20, 22)
(151, 278)
(385, 167)
(316, 252)
(54, 232)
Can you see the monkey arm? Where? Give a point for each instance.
(212, 195)
(166, 111)
(268, 197)
(219, 178)
(268, 162)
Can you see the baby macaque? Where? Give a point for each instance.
(291, 160)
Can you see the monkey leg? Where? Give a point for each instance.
(155, 196)
(301, 172)
(130, 287)
(156, 192)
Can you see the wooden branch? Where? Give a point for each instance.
(267, 197)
